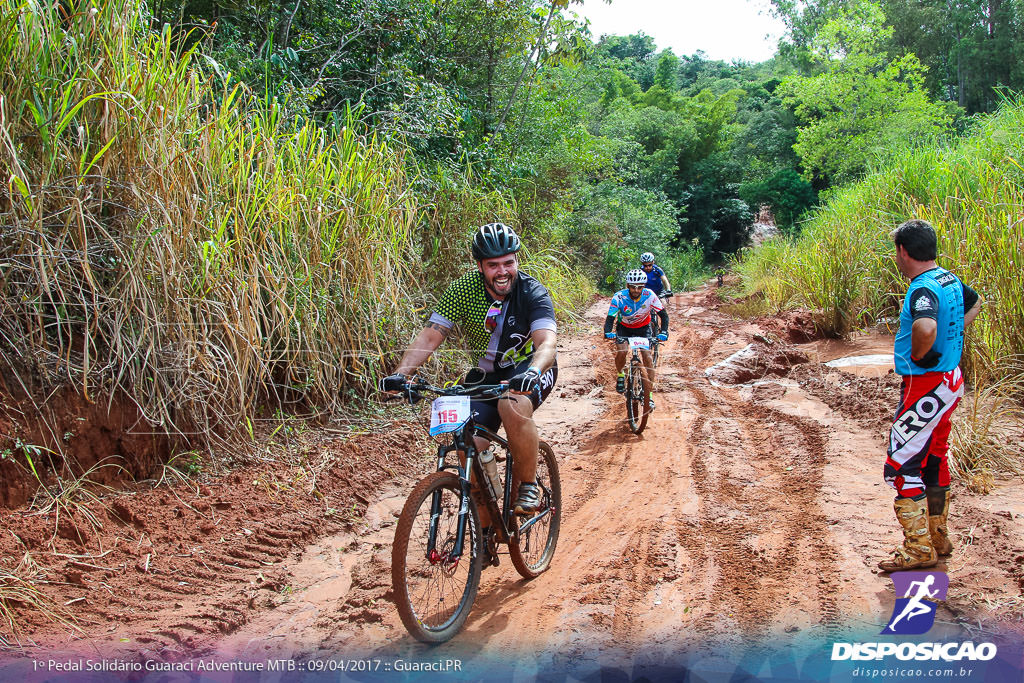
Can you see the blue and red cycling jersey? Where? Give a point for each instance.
(631, 313)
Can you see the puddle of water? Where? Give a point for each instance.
(858, 344)
(871, 359)
(869, 365)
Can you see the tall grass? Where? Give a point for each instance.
(972, 193)
(685, 267)
(456, 204)
(763, 271)
(166, 235)
(570, 289)
(984, 440)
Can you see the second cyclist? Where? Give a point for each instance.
(633, 308)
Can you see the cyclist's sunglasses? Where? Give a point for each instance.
(491, 319)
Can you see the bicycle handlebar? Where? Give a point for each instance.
(411, 391)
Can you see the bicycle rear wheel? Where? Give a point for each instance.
(434, 592)
(636, 397)
(531, 551)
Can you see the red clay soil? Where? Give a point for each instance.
(749, 509)
(68, 436)
(146, 552)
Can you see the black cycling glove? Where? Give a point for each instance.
(929, 360)
(525, 382)
(395, 382)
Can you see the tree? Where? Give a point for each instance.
(639, 47)
(787, 194)
(665, 75)
(864, 103)
(971, 47)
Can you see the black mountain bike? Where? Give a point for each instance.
(637, 398)
(440, 549)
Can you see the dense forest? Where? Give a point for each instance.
(607, 141)
(207, 201)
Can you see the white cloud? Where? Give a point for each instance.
(723, 29)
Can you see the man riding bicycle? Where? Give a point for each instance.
(508, 319)
(657, 281)
(632, 307)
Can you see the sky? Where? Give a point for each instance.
(723, 29)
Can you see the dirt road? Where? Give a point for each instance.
(747, 519)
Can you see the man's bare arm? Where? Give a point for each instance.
(922, 337)
(425, 343)
(970, 315)
(545, 347)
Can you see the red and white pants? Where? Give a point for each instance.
(919, 437)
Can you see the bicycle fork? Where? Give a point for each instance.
(502, 525)
(455, 553)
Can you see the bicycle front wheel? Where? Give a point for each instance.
(532, 549)
(636, 397)
(434, 589)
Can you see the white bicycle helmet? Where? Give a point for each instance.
(647, 257)
(636, 277)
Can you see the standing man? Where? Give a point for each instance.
(508, 320)
(928, 347)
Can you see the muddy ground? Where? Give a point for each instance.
(749, 514)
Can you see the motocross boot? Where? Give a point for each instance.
(938, 511)
(917, 551)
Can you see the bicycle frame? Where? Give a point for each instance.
(462, 441)
(635, 352)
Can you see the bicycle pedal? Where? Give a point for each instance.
(491, 559)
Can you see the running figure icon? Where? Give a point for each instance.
(914, 613)
(916, 607)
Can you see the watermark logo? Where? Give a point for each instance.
(914, 613)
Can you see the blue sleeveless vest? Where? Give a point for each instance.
(949, 336)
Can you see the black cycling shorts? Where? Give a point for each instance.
(623, 331)
(485, 411)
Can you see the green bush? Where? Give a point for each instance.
(971, 191)
(787, 194)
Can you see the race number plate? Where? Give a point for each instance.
(448, 414)
(639, 343)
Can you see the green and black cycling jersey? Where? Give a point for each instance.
(508, 345)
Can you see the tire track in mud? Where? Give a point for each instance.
(168, 584)
(637, 556)
(602, 462)
(638, 571)
(751, 464)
